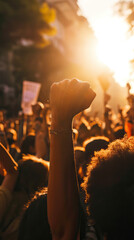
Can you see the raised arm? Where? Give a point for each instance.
(67, 98)
(7, 163)
(42, 137)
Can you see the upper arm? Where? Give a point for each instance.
(5, 198)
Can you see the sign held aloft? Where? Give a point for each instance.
(30, 95)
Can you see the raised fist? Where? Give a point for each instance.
(69, 97)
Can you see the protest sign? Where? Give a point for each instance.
(30, 95)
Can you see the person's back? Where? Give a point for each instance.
(34, 224)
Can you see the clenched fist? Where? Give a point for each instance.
(68, 98)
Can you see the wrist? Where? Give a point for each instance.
(61, 124)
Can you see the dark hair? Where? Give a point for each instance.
(28, 141)
(79, 156)
(119, 132)
(95, 144)
(109, 187)
(80, 162)
(95, 129)
(83, 133)
(33, 174)
(34, 224)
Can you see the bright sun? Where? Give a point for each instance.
(114, 48)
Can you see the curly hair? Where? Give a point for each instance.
(109, 187)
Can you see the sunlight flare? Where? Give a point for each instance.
(115, 46)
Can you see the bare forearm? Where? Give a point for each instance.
(62, 182)
(7, 161)
(67, 99)
(41, 147)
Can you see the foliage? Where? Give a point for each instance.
(36, 64)
(24, 20)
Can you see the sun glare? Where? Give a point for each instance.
(114, 48)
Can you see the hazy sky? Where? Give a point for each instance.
(95, 10)
(115, 46)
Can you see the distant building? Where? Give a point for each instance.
(74, 37)
(75, 42)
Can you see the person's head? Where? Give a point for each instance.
(95, 129)
(119, 132)
(33, 175)
(83, 133)
(2, 127)
(93, 145)
(80, 163)
(28, 144)
(37, 108)
(34, 224)
(109, 186)
(11, 135)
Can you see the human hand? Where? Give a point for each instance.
(46, 108)
(68, 98)
(2, 171)
(46, 114)
(7, 161)
(37, 108)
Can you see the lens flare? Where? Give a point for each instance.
(115, 45)
(115, 49)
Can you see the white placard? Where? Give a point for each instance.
(30, 95)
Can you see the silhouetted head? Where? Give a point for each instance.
(28, 144)
(95, 129)
(109, 186)
(80, 162)
(119, 132)
(83, 134)
(11, 135)
(93, 145)
(33, 174)
(37, 108)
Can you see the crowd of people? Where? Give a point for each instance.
(65, 174)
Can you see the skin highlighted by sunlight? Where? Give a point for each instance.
(114, 48)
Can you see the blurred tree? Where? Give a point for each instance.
(24, 22)
(36, 64)
(24, 29)
(45, 66)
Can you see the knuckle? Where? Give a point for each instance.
(65, 82)
(53, 87)
(74, 81)
(87, 85)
